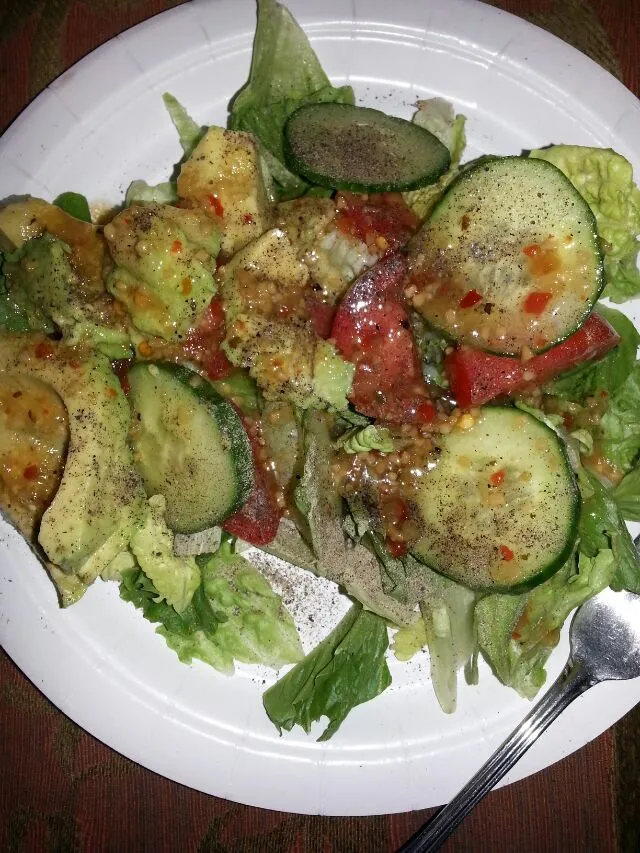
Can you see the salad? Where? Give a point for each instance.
(328, 336)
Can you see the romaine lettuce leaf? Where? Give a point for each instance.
(141, 191)
(13, 318)
(285, 74)
(189, 132)
(346, 669)
(601, 527)
(74, 204)
(438, 117)
(627, 495)
(447, 627)
(605, 180)
(348, 563)
(189, 634)
(517, 633)
(258, 628)
(233, 615)
(362, 440)
(610, 372)
(620, 425)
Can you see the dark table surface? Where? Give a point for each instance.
(62, 791)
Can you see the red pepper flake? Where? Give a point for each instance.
(248, 219)
(176, 247)
(497, 478)
(216, 204)
(186, 286)
(74, 363)
(470, 299)
(537, 301)
(111, 392)
(31, 472)
(44, 350)
(531, 251)
(506, 553)
(426, 412)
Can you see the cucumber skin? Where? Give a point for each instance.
(296, 165)
(463, 175)
(229, 423)
(555, 565)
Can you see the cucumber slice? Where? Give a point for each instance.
(363, 150)
(509, 259)
(189, 445)
(500, 509)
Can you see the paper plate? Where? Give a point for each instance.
(103, 124)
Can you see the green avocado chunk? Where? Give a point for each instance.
(287, 359)
(44, 285)
(53, 268)
(165, 266)
(100, 500)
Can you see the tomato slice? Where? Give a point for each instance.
(257, 521)
(203, 343)
(382, 220)
(475, 377)
(371, 329)
(321, 315)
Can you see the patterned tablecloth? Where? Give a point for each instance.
(62, 791)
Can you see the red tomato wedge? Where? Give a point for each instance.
(475, 377)
(321, 315)
(382, 220)
(371, 329)
(203, 343)
(257, 521)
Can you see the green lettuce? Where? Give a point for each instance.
(605, 180)
(438, 117)
(602, 527)
(258, 627)
(74, 204)
(242, 390)
(196, 622)
(627, 495)
(141, 191)
(620, 425)
(189, 131)
(610, 372)
(233, 614)
(362, 440)
(348, 563)
(517, 633)
(13, 318)
(447, 627)
(285, 75)
(175, 578)
(346, 669)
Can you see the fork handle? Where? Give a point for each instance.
(571, 683)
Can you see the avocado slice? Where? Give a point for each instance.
(100, 501)
(165, 266)
(224, 177)
(54, 276)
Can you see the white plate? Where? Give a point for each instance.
(101, 125)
